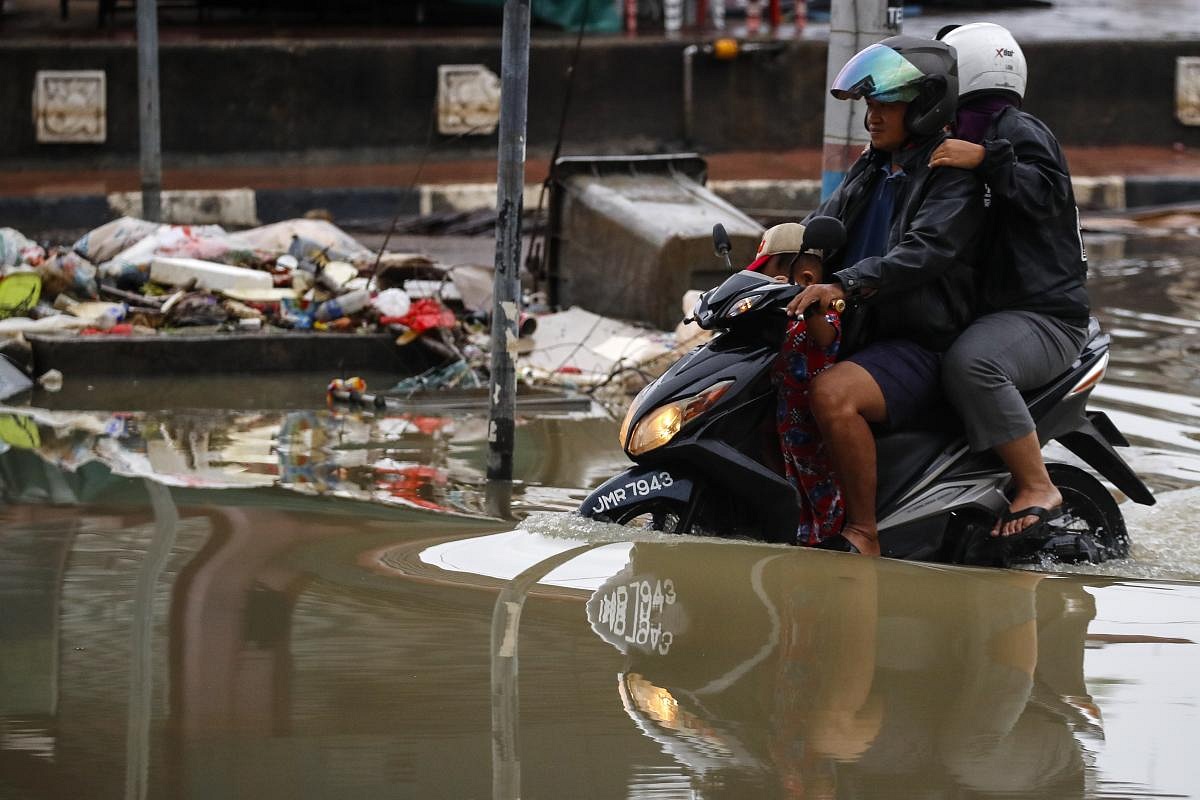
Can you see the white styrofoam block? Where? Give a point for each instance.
(207, 274)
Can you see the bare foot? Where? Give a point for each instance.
(864, 538)
(1047, 497)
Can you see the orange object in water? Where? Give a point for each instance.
(353, 387)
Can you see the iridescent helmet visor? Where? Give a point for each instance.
(880, 73)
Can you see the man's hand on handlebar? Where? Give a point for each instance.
(818, 296)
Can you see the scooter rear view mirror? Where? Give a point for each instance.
(824, 233)
(721, 244)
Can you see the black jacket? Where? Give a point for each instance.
(925, 283)
(1033, 257)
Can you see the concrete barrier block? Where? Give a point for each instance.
(1161, 190)
(468, 197)
(799, 196)
(1102, 193)
(227, 207)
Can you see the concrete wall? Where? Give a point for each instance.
(266, 102)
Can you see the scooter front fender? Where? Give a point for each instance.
(635, 486)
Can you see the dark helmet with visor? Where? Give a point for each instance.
(905, 69)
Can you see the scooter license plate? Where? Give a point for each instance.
(639, 486)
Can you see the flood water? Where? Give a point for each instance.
(229, 590)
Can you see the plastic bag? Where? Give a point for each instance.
(426, 313)
(392, 303)
(66, 271)
(453, 375)
(16, 249)
(103, 243)
(315, 235)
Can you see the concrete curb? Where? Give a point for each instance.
(194, 354)
(239, 208)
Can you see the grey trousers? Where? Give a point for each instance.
(994, 360)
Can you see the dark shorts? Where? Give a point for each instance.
(908, 375)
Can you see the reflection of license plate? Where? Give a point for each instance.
(637, 613)
(648, 485)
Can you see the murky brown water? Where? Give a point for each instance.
(295, 602)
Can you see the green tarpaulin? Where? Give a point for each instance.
(601, 15)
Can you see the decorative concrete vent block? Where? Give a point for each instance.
(1187, 89)
(468, 99)
(69, 106)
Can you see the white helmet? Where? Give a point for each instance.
(989, 59)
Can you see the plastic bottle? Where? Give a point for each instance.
(347, 304)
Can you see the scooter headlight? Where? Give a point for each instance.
(744, 305)
(661, 425)
(634, 407)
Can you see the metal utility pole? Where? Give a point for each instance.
(510, 189)
(852, 26)
(148, 110)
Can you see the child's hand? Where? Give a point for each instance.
(957, 153)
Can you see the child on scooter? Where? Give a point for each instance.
(810, 347)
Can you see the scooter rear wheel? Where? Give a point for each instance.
(1091, 528)
(1090, 510)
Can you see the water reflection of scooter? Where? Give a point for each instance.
(800, 674)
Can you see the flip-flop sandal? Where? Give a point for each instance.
(1044, 517)
(837, 543)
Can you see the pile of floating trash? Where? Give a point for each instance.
(132, 277)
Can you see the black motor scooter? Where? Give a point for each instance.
(707, 456)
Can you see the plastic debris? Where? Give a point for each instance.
(133, 277)
(455, 374)
(19, 293)
(195, 309)
(349, 303)
(12, 379)
(392, 303)
(423, 315)
(206, 274)
(317, 236)
(16, 249)
(203, 242)
(51, 380)
(65, 270)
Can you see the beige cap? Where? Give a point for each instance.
(787, 237)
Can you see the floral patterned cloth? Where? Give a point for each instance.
(822, 511)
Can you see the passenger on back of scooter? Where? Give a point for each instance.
(908, 259)
(1034, 304)
(810, 347)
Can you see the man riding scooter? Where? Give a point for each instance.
(908, 262)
